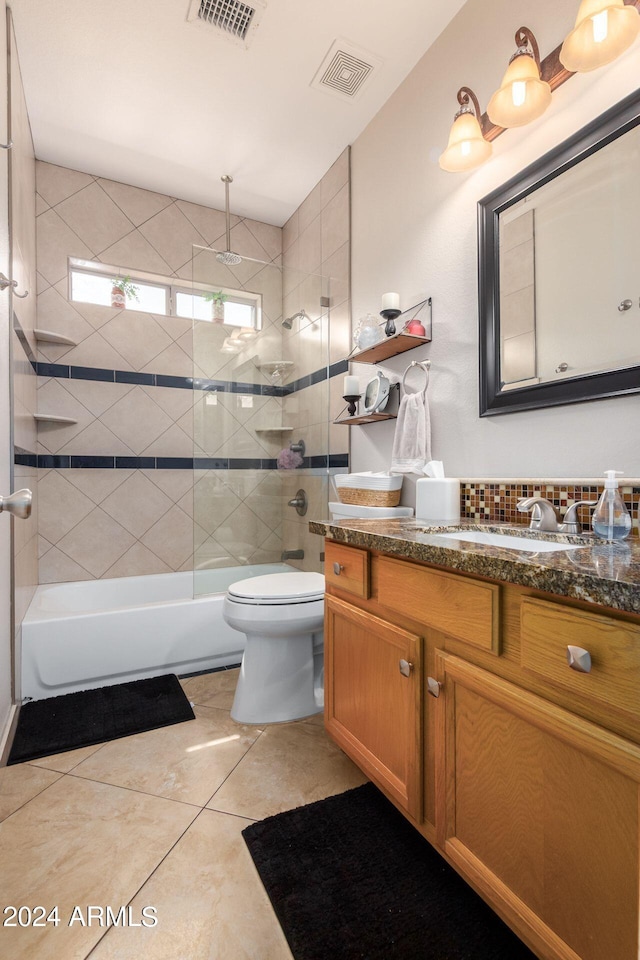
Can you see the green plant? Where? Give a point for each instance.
(215, 296)
(127, 287)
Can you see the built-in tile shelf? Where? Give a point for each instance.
(50, 418)
(389, 347)
(367, 418)
(48, 336)
(274, 429)
(275, 369)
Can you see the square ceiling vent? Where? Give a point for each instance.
(232, 19)
(346, 70)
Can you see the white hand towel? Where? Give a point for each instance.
(412, 440)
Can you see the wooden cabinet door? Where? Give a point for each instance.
(372, 709)
(539, 810)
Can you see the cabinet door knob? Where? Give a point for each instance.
(337, 569)
(579, 659)
(433, 687)
(405, 667)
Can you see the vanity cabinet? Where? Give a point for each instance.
(524, 773)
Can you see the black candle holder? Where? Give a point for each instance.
(352, 400)
(390, 315)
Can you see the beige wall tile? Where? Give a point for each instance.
(172, 235)
(94, 216)
(268, 236)
(517, 268)
(61, 506)
(174, 442)
(134, 252)
(136, 420)
(96, 395)
(96, 352)
(136, 336)
(517, 312)
(138, 561)
(56, 242)
(242, 532)
(55, 313)
(337, 268)
(210, 223)
(310, 247)
(137, 504)
(96, 542)
(54, 400)
(335, 223)
(335, 177)
(56, 183)
(137, 204)
(56, 567)
(173, 361)
(171, 538)
(98, 440)
(310, 208)
(175, 483)
(96, 484)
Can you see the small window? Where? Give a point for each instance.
(91, 282)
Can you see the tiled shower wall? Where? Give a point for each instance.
(23, 253)
(126, 385)
(316, 244)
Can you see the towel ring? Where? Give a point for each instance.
(424, 365)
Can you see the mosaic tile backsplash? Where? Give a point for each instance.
(496, 501)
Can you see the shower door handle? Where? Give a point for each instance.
(18, 504)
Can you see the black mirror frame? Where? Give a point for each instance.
(597, 134)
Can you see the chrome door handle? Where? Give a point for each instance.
(579, 659)
(337, 568)
(18, 504)
(433, 687)
(405, 667)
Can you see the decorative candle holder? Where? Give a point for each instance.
(352, 400)
(390, 316)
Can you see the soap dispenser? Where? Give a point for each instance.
(611, 519)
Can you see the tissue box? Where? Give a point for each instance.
(438, 499)
(369, 490)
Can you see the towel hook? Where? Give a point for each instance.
(425, 366)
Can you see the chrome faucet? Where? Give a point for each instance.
(545, 518)
(543, 514)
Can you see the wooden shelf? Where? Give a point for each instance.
(367, 418)
(389, 347)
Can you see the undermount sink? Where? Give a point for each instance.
(506, 540)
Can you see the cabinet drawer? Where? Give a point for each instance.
(462, 608)
(347, 568)
(614, 646)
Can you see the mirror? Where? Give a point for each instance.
(559, 272)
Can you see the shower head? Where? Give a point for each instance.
(228, 257)
(300, 315)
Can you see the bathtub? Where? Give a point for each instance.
(92, 633)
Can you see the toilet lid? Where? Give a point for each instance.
(279, 588)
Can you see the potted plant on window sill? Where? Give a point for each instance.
(217, 300)
(122, 290)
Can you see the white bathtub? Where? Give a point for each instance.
(92, 633)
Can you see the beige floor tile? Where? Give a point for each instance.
(213, 689)
(290, 765)
(210, 903)
(21, 783)
(78, 844)
(187, 761)
(65, 762)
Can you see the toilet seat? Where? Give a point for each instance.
(278, 589)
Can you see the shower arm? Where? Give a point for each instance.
(226, 179)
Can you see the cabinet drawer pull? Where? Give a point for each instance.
(405, 667)
(579, 659)
(337, 568)
(433, 687)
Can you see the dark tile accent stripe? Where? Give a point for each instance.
(65, 372)
(61, 462)
(57, 462)
(135, 463)
(24, 458)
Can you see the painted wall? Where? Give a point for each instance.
(414, 231)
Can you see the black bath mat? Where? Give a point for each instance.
(74, 720)
(350, 879)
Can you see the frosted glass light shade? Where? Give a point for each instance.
(604, 29)
(467, 147)
(522, 96)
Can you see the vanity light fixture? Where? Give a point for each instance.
(603, 30)
(467, 147)
(522, 96)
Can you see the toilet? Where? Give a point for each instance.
(282, 616)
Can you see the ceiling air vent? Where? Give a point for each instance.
(235, 20)
(345, 70)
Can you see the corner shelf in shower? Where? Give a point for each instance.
(367, 418)
(274, 367)
(50, 418)
(48, 336)
(273, 429)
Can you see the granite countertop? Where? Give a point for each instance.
(596, 571)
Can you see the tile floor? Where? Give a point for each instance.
(155, 820)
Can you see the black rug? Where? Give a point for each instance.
(74, 720)
(349, 878)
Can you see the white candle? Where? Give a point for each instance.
(351, 387)
(390, 301)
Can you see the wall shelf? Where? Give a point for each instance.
(50, 418)
(367, 418)
(389, 347)
(273, 429)
(48, 336)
